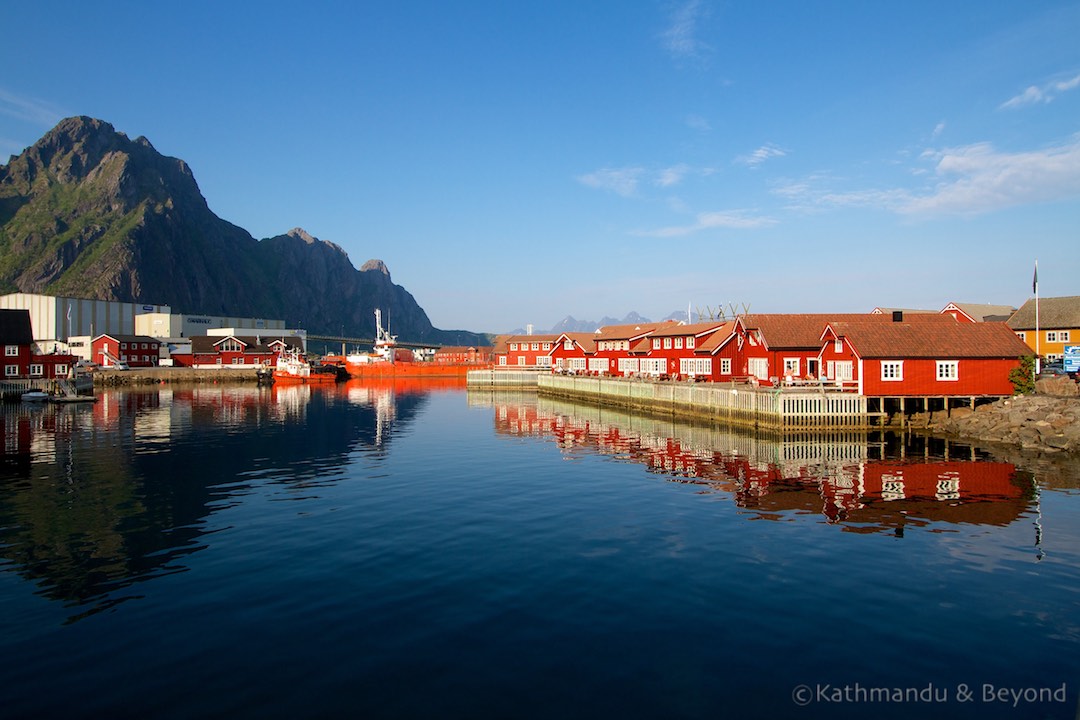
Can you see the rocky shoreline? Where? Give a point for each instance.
(1047, 421)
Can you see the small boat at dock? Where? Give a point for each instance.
(293, 368)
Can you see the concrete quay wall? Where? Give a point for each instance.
(104, 377)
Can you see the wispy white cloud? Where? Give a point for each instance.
(622, 181)
(697, 122)
(977, 178)
(29, 109)
(627, 181)
(763, 153)
(1045, 93)
(680, 37)
(968, 180)
(738, 219)
(672, 175)
(938, 129)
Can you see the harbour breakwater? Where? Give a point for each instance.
(1031, 422)
(105, 377)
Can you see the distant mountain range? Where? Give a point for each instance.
(86, 212)
(571, 324)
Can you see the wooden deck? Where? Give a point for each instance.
(785, 408)
(12, 390)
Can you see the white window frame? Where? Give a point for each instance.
(725, 366)
(845, 370)
(695, 366)
(653, 366)
(892, 370)
(543, 361)
(598, 364)
(656, 343)
(628, 365)
(535, 346)
(838, 345)
(690, 341)
(568, 345)
(60, 370)
(758, 367)
(948, 370)
(1022, 335)
(513, 346)
(11, 351)
(547, 346)
(791, 366)
(678, 343)
(1057, 336)
(521, 360)
(37, 370)
(11, 371)
(667, 343)
(576, 363)
(502, 359)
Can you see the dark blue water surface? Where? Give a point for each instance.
(228, 551)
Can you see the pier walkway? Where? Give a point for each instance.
(787, 408)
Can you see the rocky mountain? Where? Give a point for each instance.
(87, 212)
(571, 324)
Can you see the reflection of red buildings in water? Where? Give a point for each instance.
(875, 493)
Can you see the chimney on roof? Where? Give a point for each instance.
(898, 316)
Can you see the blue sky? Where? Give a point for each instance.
(517, 162)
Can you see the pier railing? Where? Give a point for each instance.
(784, 408)
(504, 378)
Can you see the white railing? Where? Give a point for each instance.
(785, 408)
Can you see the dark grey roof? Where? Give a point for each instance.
(15, 328)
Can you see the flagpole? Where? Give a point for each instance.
(1035, 287)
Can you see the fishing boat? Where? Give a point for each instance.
(387, 359)
(35, 396)
(293, 368)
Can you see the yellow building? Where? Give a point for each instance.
(1058, 325)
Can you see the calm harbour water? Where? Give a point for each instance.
(422, 551)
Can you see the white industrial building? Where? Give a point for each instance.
(55, 319)
(66, 324)
(163, 324)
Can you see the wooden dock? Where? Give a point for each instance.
(783, 408)
(12, 390)
(496, 378)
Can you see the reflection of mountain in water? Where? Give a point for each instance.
(867, 486)
(93, 499)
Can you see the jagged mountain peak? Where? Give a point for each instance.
(86, 212)
(302, 234)
(375, 265)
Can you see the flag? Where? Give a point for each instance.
(1035, 280)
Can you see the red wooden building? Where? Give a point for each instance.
(21, 359)
(906, 358)
(524, 351)
(130, 350)
(208, 352)
(575, 352)
(788, 344)
(464, 355)
(703, 350)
